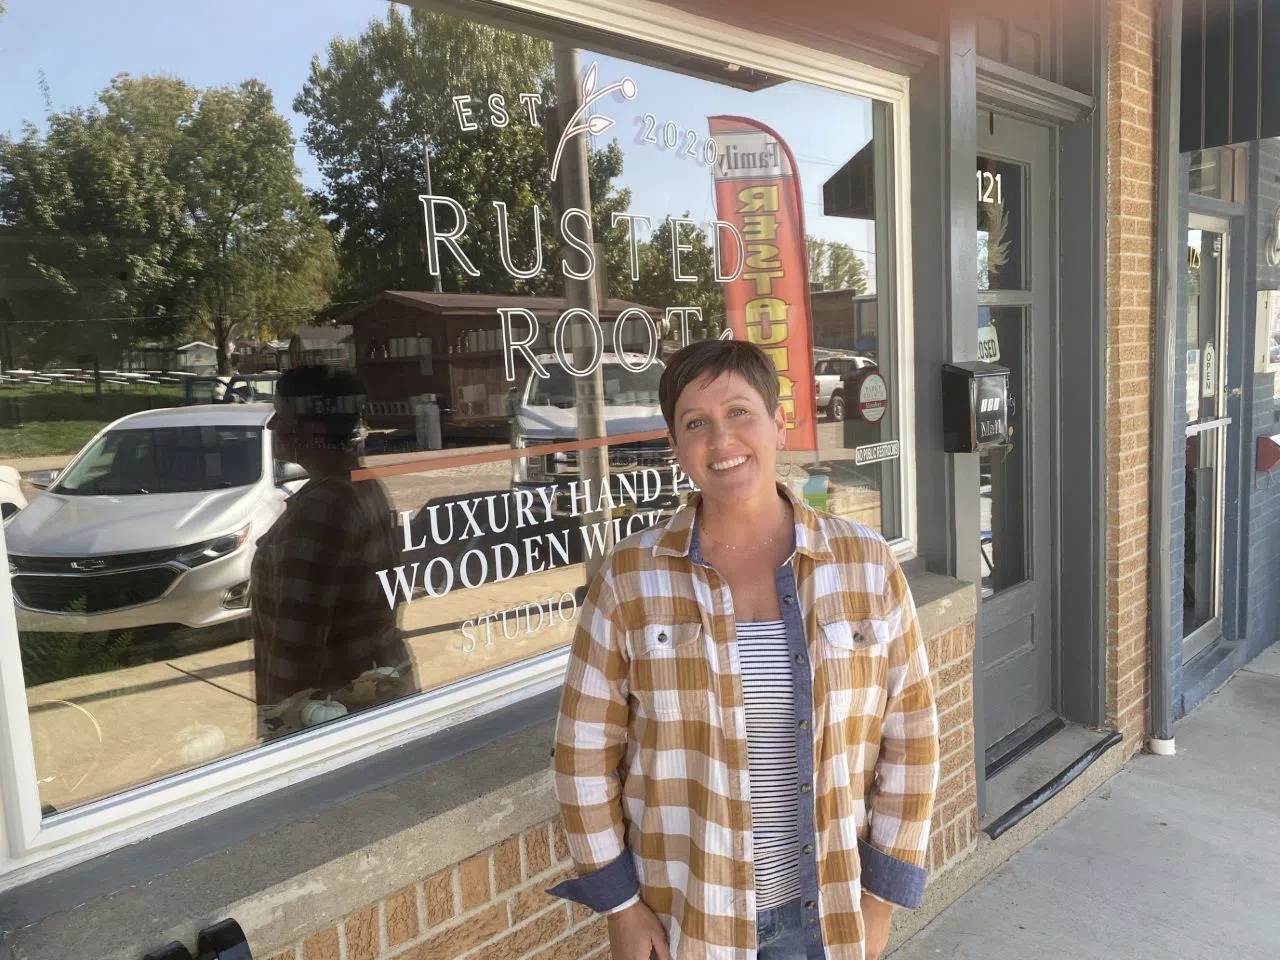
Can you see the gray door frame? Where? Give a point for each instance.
(946, 94)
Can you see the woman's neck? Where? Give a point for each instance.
(732, 523)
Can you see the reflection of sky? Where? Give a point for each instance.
(79, 45)
(824, 129)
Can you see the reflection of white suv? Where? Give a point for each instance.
(152, 524)
(828, 382)
(546, 412)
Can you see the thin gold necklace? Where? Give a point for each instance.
(753, 545)
(727, 546)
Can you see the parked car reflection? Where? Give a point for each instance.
(151, 526)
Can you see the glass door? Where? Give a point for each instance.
(1015, 247)
(1205, 327)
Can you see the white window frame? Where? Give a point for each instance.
(31, 847)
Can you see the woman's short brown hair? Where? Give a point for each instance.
(712, 359)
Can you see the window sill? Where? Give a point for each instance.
(286, 864)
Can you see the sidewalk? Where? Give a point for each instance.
(1172, 857)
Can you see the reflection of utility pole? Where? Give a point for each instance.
(426, 166)
(575, 191)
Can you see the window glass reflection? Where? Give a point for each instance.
(375, 344)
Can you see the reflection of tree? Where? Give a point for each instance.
(261, 247)
(993, 221)
(167, 206)
(657, 286)
(834, 266)
(372, 106)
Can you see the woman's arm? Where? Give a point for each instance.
(906, 773)
(590, 739)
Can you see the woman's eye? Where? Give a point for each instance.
(738, 411)
(693, 424)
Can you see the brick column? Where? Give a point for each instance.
(1131, 241)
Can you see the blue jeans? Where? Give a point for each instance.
(780, 933)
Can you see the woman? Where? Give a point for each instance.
(746, 754)
(322, 626)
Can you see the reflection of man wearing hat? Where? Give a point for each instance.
(322, 625)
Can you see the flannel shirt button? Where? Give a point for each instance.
(804, 724)
(808, 849)
(804, 788)
(809, 904)
(800, 659)
(788, 599)
(662, 638)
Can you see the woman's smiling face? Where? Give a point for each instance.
(726, 440)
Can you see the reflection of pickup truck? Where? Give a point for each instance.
(828, 382)
(545, 412)
(237, 388)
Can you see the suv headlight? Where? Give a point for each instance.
(214, 549)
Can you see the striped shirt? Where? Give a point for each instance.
(652, 766)
(769, 701)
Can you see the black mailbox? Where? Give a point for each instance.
(975, 406)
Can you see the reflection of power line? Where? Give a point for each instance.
(818, 160)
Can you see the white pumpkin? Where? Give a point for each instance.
(322, 711)
(201, 743)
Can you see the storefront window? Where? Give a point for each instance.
(492, 241)
(1220, 173)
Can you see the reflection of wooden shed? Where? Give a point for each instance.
(844, 320)
(260, 356)
(408, 343)
(327, 346)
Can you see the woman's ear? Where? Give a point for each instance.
(780, 421)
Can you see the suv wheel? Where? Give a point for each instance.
(835, 408)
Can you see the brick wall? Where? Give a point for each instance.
(1131, 178)
(492, 905)
(1261, 619)
(489, 907)
(955, 813)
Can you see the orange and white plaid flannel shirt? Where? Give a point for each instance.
(651, 765)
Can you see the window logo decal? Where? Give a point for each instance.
(596, 124)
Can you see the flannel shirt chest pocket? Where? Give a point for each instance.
(670, 674)
(855, 661)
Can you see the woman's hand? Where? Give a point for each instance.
(635, 933)
(877, 918)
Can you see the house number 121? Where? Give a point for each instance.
(990, 189)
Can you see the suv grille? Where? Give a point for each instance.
(118, 561)
(85, 595)
(622, 456)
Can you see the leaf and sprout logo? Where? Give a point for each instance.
(596, 124)
(1273, 240)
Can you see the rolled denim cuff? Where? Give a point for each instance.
(605, 889)
(891, 879)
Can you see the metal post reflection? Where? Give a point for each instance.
(575, 192)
